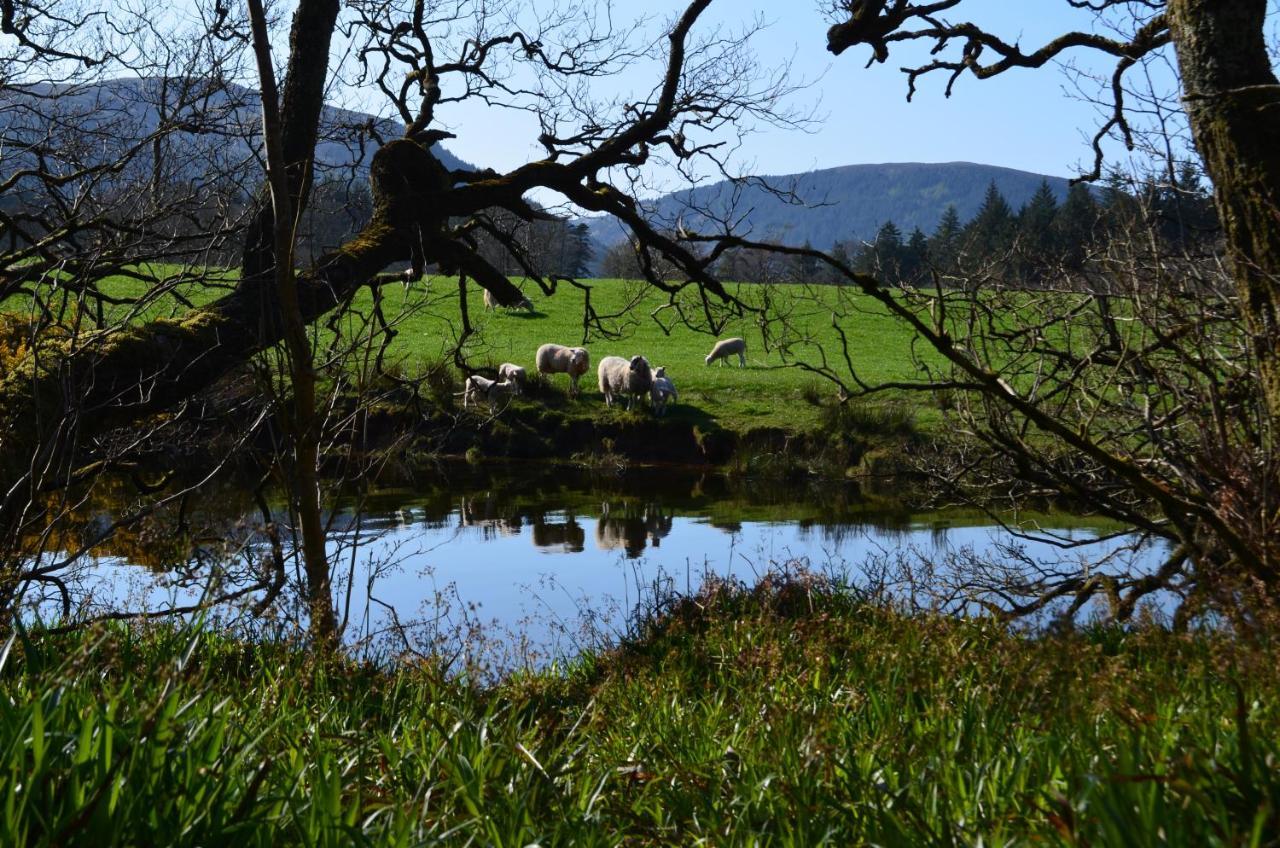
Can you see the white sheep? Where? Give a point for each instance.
(726, 348)
(512, 373)
(558, 359)
(491, 391)
(490, 302)
(620, 376)
(662, 391)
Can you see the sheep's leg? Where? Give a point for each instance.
(742, 359)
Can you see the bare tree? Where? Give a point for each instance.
(167, 192)
(1142, 385)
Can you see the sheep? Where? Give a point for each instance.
(726, 348)
(620, 376)
(512, 373)
(478, 387)
(662, 391)
(490, 302)
(557, 359)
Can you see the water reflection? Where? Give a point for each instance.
(532, 547)
(630, 527)
(566, 536)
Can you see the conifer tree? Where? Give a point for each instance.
(944, 244)
(915, 256)
(1035, 221)
(991, 231)
(1075, 225)
(886, 252)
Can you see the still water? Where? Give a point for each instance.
(525, 564)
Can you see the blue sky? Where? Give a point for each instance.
(1023, 120)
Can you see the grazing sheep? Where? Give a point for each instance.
(619, 376)
(726, 348)
(490, 302)
(478, 387)
(558, 359)
(662, 391)
(511, 373)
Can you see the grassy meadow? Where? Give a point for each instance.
(791, 714)
(770, 392)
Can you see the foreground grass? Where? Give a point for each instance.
(788, 715)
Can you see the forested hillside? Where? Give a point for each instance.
(849, 203)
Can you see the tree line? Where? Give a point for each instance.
(1025, 247)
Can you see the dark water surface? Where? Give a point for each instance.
(530, 562)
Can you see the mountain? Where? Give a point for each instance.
(837, 204)
(221, 125)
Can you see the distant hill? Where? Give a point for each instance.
(839, 204)
(225, 121)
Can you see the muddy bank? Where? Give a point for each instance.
(532, 432)
(411, 427)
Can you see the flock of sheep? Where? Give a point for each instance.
(618, 377)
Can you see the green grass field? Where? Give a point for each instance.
(769, 392)
(791, 715)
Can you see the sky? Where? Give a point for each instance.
(1025, 119)
(1022, 120)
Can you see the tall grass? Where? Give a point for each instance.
(791, 713)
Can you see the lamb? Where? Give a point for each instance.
(726, 347)
(620, 376)
(557, 359)
(512, 373)
(478, 387)
(662, 391)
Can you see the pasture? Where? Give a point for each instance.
(773, 390)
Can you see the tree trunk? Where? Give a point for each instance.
(1232, 99)
(303, 426)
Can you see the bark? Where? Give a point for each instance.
(303, 426)
(1233, 102)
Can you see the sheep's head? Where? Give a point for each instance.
(660, 371)
(639, 363)
(578, 358)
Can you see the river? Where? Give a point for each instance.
(513, 565)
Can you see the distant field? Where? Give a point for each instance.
(766, 393)
(769, 392)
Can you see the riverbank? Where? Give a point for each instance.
(843, 442)
(791, 713)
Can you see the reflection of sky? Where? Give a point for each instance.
(538, 577)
